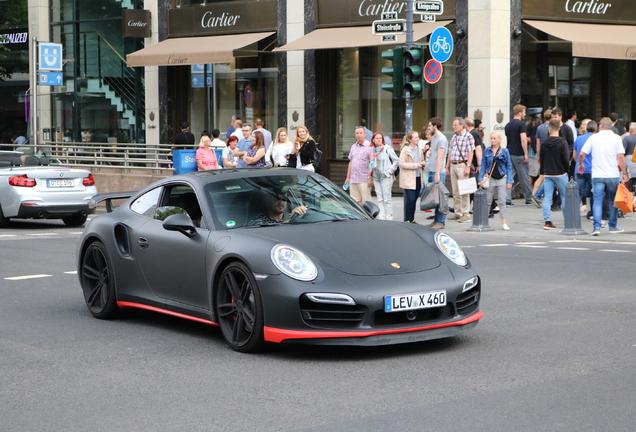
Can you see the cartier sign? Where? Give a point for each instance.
(135, 22)
(584, 11)
(222, 18)
(331, 13)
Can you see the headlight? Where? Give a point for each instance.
(293, 263)
(451, 249)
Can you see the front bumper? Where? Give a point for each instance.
(372, 338)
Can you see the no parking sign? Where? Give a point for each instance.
(433, 71)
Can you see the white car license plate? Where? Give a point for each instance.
(421, 300)
(59, 183)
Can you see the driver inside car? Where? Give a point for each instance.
(276, 205)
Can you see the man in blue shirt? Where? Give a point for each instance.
(243, 144)
(585, 180)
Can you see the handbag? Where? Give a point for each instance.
(623, 199)
(487, 176)
(634, 156)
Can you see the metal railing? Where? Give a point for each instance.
(116, 155)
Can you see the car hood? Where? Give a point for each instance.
(369, 248)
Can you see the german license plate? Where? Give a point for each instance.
(413, 301)
(59, 183)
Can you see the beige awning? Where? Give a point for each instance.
(193, 50)
(353, 37)
(593, 40)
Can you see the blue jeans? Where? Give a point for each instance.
(605, 187)
(410, 198)
(549, 183)
(439, 217)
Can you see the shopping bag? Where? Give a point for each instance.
(443, 198)
(623, 199)
(467, 186)
(430, 197)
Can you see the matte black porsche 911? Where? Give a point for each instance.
(205, 246)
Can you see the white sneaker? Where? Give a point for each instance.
(505, 227)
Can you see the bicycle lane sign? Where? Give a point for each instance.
(440, 44)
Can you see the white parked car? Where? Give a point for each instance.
(32, 189)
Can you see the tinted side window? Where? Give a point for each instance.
(147, 203)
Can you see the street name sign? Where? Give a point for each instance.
(433, 7)
(428, 18)
(389, 27)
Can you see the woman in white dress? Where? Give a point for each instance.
(279, 150)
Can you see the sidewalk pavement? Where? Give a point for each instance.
(525, 222)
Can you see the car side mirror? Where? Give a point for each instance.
(181, 223)
(371, 208)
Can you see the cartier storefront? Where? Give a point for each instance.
(579, 55)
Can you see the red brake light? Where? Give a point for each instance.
(89, 181)
(21, 181)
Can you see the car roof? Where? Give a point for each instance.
(211, 176)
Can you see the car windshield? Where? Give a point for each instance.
(271, 200)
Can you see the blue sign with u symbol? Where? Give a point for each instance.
(50, 56)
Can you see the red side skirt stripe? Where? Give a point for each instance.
(279, 335)
(122, 304)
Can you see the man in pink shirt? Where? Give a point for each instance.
(358, 174)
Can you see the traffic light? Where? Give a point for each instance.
(396, 71)
(415, 71)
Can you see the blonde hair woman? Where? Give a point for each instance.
(303, 151)
(280, 149)
(496, 163)
(205, 156)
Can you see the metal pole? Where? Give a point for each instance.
(34, 95)
(408, 101)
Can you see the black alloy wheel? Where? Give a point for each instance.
(98, 282)
(75, 220)
(240, 308)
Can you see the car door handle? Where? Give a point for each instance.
(143, 243)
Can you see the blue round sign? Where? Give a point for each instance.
(440, 44)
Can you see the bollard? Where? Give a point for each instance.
(572, 215)
(481, 208)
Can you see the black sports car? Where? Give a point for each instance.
(275, 255)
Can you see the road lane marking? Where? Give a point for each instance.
(614, 250)
(495, 244)
(8, 235)
(15, 278)
(573, 248)
(43, 234)
(71, 272)
(530, 243)
(532, 246)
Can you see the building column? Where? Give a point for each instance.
(489, 63)
(151, 80)
(39, 20)
(295, 68)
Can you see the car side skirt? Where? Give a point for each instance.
(374, 337)
(124, 304)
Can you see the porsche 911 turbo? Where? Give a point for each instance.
(275, 255)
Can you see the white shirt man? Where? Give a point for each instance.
(608, 161)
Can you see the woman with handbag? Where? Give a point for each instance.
(304, 150)
(382, 167)
(496, 173)
(411, 169)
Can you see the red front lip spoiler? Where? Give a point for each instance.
(279, 335)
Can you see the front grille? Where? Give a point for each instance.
(381, 318)
(331, 316)
(468, 302)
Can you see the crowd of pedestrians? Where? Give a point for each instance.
(247, 146)
(541, 156)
